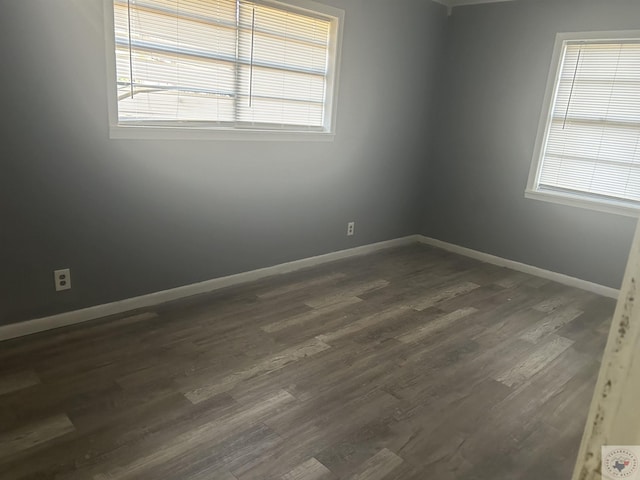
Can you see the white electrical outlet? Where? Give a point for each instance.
(62, 279)
(351, 227)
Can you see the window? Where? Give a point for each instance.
(211, 66)
(588, 147)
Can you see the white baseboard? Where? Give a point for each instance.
(144, 301)
(522, 267)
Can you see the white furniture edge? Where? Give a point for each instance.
(614, 418)
(29, 327)
(522, 267)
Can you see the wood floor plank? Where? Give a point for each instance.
(510, 421)
(210, 434)
(550, 304)
(378, 466)
(204, 462)
(368, 321)
(511, 279)
(436, 325)
(306, 317)
(530, 397)
(405, 364)
(217, 474)
(133, 433)
(265, 366)
(534, 362)
(28, 436)
(314, 423)
(303, 285)
(551, 324)
(353, 291)
(443, 294)
(429, 433)
(339, 369)
(312, 469)
(18, 381)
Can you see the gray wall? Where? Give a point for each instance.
(491, 95)
(133, 217)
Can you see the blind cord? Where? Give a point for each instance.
(130, 54)
(253, 34)
(573, 83)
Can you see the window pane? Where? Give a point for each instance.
(182, 57)
(593, 139)
(226, 61)
(284, 56)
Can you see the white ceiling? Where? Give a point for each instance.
(458, 3)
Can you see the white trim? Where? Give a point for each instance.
(78, 316)
(581, 201)
(522, 267)
(545, 114)
(462, 3)
(110, 57)
(140, 132)
(333, 73)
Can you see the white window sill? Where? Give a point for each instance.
(618, 208)
(176, 133)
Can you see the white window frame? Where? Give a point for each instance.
(563, 198)
(119, 130)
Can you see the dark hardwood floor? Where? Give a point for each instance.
(411, 363)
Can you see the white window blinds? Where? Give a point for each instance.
(230, 63)
(592, 145)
